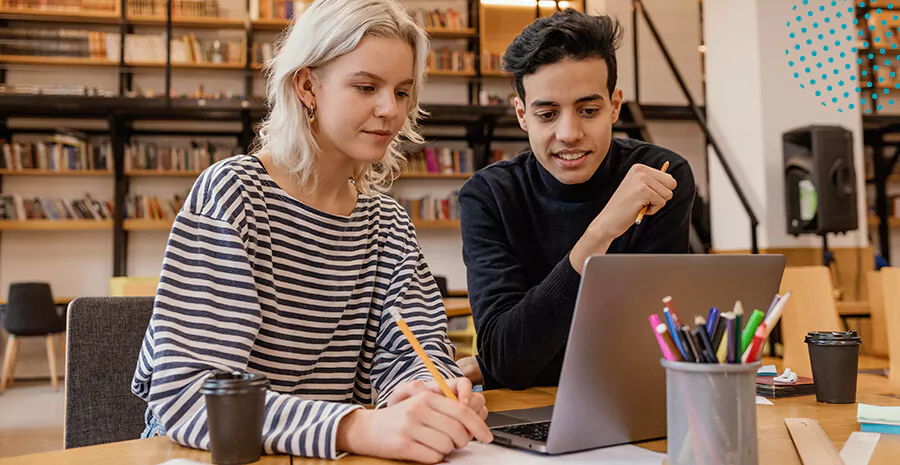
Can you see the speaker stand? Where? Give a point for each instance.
(827, 255)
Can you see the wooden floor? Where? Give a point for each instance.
(31, 419)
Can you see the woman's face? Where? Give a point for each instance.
(362, 99)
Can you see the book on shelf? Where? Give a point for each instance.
(68, 43)
(180, 8)
(500, 155)
(440, 160)
(277, 9)
(141, 155)
(60, 152)
(151, 207)
(185, 49)
(431, 208)
(439, 18)
(491, 62)
(19, 208)
(263, 52)
(72, 6)
(450, 60)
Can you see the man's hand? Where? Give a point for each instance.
(642, 186)
(462, 387)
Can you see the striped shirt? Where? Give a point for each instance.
(255, 280)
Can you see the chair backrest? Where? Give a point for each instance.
(30, 310)
(103, 343)
(441, 282)
(811, 308)
(877, 343)
(890, 278)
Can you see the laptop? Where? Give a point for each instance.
(612, 389)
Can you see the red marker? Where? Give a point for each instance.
(753, 350)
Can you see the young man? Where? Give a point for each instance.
(529, 224)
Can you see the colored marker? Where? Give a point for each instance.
(693, 354)
(712, 320)
(750, 329)
(656, 325)
(673, 331)
(754, 351)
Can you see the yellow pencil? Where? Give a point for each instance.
(641, 213)
(404, 328)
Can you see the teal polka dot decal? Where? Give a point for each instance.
(815, 25)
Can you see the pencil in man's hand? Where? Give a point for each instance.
(640, 216)
(404, 328)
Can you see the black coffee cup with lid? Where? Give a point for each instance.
(235, 407)
(834, 357)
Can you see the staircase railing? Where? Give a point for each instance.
(640, 9)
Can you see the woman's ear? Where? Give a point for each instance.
(304, 84)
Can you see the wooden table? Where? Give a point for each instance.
(56, 300)
(775, 445)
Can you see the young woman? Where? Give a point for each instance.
(286, 262)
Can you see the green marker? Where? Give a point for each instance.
(752, 323)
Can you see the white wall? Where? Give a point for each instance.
(751, 102)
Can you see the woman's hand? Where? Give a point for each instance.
(462, 387)
(423, 427)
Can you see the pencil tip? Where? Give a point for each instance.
(667, 299)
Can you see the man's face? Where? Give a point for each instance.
(568, 114)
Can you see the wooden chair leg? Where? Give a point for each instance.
(9, 361)
(51, 360)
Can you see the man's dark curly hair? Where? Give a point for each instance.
(566, 34)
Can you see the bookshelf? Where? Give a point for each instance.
(56, 225)
(450, 33)
(31, 14)
(188, 22)
(38, 172)
(211, 66)
(57, 61)
(163, 174)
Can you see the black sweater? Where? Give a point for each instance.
(518, 226)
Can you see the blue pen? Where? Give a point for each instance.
(675, 334)
(711, 321)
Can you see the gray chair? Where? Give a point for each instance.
(104, 341)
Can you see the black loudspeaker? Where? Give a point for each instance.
(820, 180)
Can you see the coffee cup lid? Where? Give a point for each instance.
(223, 382)
(833, 338)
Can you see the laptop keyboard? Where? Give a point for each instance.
(535, 431)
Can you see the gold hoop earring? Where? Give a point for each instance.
(311, 113)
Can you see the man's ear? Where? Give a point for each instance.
(616, 99)
(304, 84)
(520, 113)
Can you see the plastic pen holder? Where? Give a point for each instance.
(711, 413)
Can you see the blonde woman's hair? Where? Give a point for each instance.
(325, 31)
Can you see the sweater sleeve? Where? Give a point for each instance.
(206, 317)
(520, 329)
(414, 293)
(668, 231)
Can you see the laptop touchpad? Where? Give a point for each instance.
(512, 417)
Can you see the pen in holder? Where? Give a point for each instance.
(711, 413)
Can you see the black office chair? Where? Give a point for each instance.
(441, 282)
(30, 311)
(104, 342)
